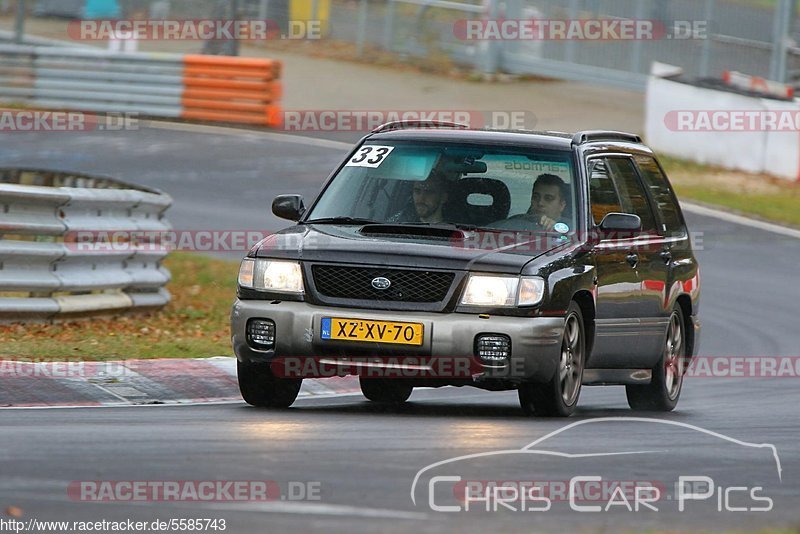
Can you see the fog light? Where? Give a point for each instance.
(493, 348)
(261, 334)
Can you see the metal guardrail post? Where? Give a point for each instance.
(780, 33)
(636, 54)
(492, 53)
(571, 46)
(19, 23)
(361, 36)
(708, 43)
(388, 33)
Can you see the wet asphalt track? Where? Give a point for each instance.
(365, 459)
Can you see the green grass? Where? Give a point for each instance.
(194, 324)
(781, 209)
(763, 197)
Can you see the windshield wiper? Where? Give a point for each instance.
(339, 220)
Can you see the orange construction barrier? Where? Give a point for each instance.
(231, 89)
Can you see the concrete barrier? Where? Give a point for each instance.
(719, 127)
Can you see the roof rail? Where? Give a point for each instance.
(604, 135)
(403, 125)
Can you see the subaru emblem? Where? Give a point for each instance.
(381, 283)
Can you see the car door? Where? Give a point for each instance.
(618, 290)
(674, 249)
(652, 264)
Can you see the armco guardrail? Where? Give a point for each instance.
(208, 88)
(44, 276)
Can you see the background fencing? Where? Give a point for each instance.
(757, 37)
(43, 276)
(743, 35)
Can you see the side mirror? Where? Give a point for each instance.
(620, 222)
(289, 207)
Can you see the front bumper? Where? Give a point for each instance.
(535, 341)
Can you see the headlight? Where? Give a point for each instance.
(271, 275)
(484, 290)
(502, 291)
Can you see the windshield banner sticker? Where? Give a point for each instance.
(370, 156)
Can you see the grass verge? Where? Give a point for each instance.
(193, 325)
(760, 196)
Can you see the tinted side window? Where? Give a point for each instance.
(667, 205)
(603, 194)
(631, 191)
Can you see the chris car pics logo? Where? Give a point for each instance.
(563, 471)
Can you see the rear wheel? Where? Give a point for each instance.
(384, 390)
(559, 396)
(260, 387)
(663, 391)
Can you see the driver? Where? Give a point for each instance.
(428, 199)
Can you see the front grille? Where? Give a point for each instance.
(406, 285)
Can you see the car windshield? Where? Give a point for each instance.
(489, 187)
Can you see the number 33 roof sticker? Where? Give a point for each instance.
(370, 156)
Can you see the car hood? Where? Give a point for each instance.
(503, 252)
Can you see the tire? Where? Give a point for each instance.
(260, 387)
(559, 396)
(664, 390)
(384, 390)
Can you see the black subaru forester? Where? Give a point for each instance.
(440, 255)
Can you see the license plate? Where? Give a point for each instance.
(372, 331)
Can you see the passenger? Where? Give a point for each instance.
(548, 200)
(548, 204)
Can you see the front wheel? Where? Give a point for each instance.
(663, 391)
(559, 396)
(384, 390)
(260, 387)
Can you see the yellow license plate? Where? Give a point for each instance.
(372, 331)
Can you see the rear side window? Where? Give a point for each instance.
(660, 191)
(631, 192)
(603, 194)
